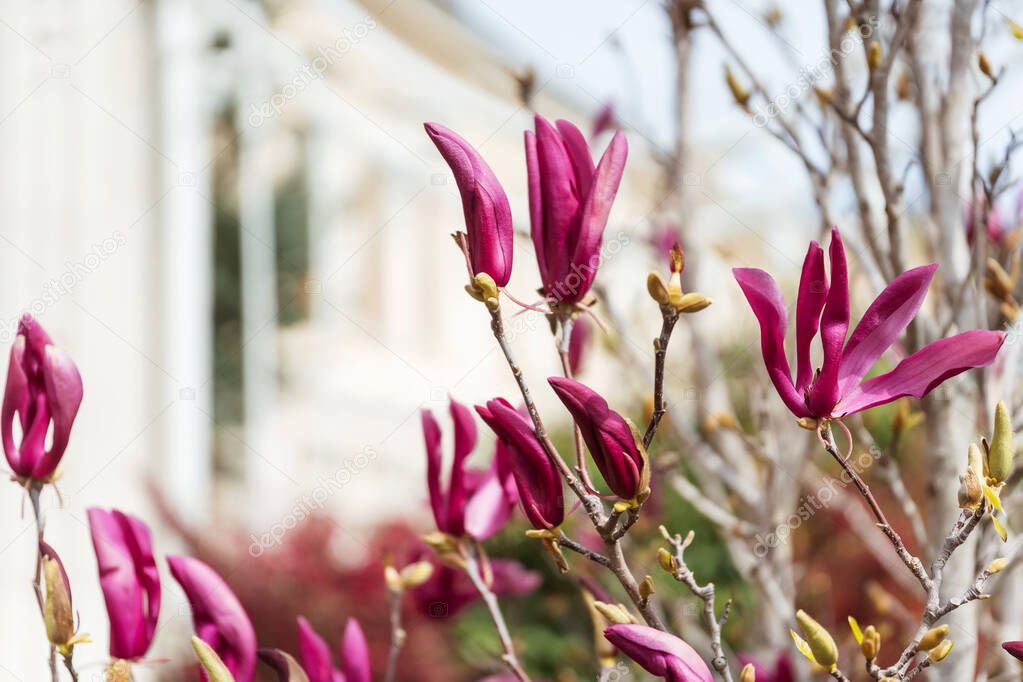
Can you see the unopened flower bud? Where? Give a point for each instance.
(210, 661)
(997, 565)
(58, 613)
(646, 588)
(667, 561)
(1015, 29)
(1001, 451)
(874, 55)
(932, 638)
(416, 574)
(808, 423)
(615, 614)
(657, 288)
(985, 66)
(871, 643)
(748, 674)
(392, 578)
(938, 653)
(822, 645)
(739, 92)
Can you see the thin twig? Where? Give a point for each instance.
(668, 319)
(566, 322)
(706, 593)
(35, 489)
(398, 635)
(472, 569)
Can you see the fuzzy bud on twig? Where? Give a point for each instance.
(818, 645)
(932, 638)
(1001, 451)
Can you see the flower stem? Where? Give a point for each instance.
(564, 342)
(472, 569)
(398, 636)
(35, 489)
(668, 320)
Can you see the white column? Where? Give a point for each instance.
(186, 231)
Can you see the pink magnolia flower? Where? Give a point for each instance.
(44, 388)
(318, 663)
(355, 663)
(1014, 648)
(659, 653)
(536, 477)
(609, 438)
(315, 656)
(995, 225)
(569, 204)
(129, 578)
(477, 503)
(822, 308)
(488, 218)
(219, 618)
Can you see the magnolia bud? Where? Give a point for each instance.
(416, 574)
(985, 66)
(667, 561)
(997, 565)
(210, 661)
(938, 653)
(874, 55)
(1001, 451)
(646, 588)
(871, 643)
(657, 289)
(748, 674)
(1015, 29)
(825, 652)
(58, 613)
(392, 578)
(808, 423)
(616, 614)
(932, 638)
(740, 93)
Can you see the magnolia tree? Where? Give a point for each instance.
(722, 454)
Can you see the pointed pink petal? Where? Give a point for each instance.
(925, 369)
(355, 653)
(63, 398)
(535, 203)
(765, 299)
(431, 437)
(314, 653)
(813, 289)
(597, 208)
(834, 326)
(561, 201)
(490, 506)
(882, 323)
(465, 442)
(579, 150)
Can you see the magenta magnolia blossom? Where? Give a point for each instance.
(822, 308)
(1014, 648)
(129, 578)
(219, 618)
(536, 477)
(318, 663)
(609, 438)
(315, 656)
(488, 218)
(477, 503)
(43, 388)
(569, 203)
(659, 653)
